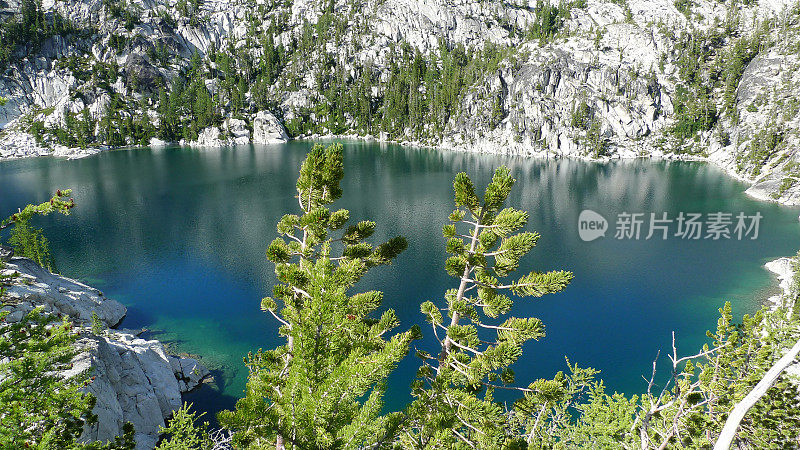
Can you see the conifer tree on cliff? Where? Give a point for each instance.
(324, 387)
(454, 404)
(40, 405)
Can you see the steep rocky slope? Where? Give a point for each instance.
(133, 379)
(588, 78)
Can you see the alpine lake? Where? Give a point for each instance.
(179, 236)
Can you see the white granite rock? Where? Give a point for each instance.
(267, 129)
(61, 295)
(238, 134)
(620, 58)
(133, 379)
(232, 132)
(784, 269)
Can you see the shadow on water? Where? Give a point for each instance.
(209, 399)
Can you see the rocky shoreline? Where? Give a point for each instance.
(620, 61)
(784, 270)
(15, 143)
(268, 130)
(133, 379)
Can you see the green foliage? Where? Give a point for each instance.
(416, 99)
(762, 147)
(194, 16)
(691, 407)
(23, 34)
(572, 411)
(454, 402)
(596, 143)
(498, 112)
(38, 407)
(695, 111)
(684, 6)
(42, 403)
(710, 66)
(184, 432)
(128, 14)
(189, 107)
(31, 243)
(58, 203)
(98, 327)
(733, 64)
(583, 118)
(78, 130)
(548, 20)
(581, 115)
(324, 387)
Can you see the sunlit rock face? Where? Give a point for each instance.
(133, 379)
(620, 61)
(267, 129)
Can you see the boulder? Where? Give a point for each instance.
(238, 133)
(157, 143)
(267, 129)
(209, 137)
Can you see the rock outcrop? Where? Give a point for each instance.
(133, 379)
(20, 144)
(784, 269)
(36, 287)
(621, 64)
(267, 129)
(232, 132)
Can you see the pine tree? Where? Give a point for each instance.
(60, 202)
(323, 388)
(40, 407)
(688, 409)
(186, 432)
(454, 402)
(31, 243)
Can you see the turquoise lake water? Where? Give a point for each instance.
(178, 236)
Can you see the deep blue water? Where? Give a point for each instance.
(179, 235)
